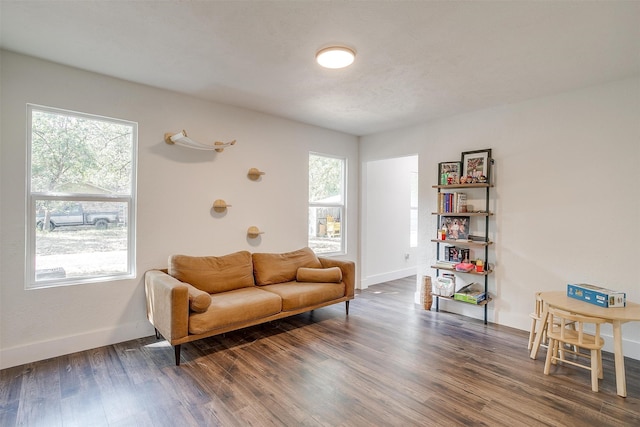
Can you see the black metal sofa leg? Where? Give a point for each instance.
(347, 304)
(176, 350)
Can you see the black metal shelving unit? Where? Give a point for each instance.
(484, 245)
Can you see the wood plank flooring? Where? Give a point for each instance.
(389, 363)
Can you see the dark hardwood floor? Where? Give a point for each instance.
(389, 363)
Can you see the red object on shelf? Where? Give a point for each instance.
(464, 266)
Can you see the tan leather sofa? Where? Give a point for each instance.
(198, 297)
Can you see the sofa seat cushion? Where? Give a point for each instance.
(304, 294)
(213, 274)
(269, 268)
(235, 307)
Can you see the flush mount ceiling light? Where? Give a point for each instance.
(335, 57)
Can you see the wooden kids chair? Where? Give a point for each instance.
(570, 331)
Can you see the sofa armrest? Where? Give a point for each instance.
(167, 304)
(348, 273)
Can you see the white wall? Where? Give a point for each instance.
(567, 199)
(385, 221)
(176, 188)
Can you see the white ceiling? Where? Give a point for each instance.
(417, 60)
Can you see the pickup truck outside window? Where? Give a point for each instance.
(81, 174)
(75, 216)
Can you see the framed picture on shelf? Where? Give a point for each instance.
(457, 227)
(449, 173)
(476, 166)
(456, 254)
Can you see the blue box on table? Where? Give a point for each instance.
(597, 295)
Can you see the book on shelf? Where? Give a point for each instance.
(461, 202)
(440, 263)
(473, 293)
(452, 202)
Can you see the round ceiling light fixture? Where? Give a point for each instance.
(335, 57)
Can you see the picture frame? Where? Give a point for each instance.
(476, 166)
(457, 227)
(457, 255)
(449, 173)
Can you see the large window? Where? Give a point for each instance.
(81, 204)
(326, 203)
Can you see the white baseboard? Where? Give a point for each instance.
(385, 277)
(631, 349)
(59, 346)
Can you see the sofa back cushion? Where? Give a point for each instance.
(214, 274)
(269, 269)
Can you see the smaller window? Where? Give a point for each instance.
(327, 228)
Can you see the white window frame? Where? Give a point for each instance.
(129, 199)
(342, 206)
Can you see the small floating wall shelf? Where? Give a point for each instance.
(254, 232)
(183, 140)
(220, 205)
(254, 174)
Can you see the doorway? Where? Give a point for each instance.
(389, 233)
